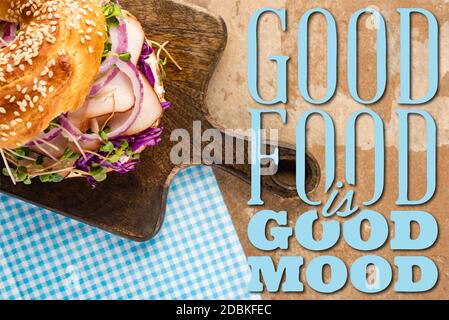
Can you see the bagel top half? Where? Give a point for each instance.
(49, 68)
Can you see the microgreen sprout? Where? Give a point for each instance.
(40, 160)
(162, 63)
(69, 154)
(20, 174)
(98, 172)
(112, 12)
(52, 177)
(21, 153)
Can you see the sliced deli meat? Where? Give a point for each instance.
(150, 113)
(116, 96)
(136, 37)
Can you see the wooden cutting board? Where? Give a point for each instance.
(133, 205)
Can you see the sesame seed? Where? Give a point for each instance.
(40, 21)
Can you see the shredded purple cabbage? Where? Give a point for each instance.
(84, 164)
(148, 138)
(166, 105)
(143, 66)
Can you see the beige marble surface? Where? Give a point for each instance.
(229, 99)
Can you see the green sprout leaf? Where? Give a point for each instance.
(114, 158)
(40, 160)
(20, 174)
(108, 147)
(51, 178)
(162, 63)
(125, 56)
(99, 173)
(21, 153)
(104, 136)
(5, 172)
(112, 12)
(124, 145)
(69, 154)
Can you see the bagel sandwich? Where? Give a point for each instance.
(81, 90)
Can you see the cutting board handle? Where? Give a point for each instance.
(281, 180)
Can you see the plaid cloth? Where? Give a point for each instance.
(197, 255)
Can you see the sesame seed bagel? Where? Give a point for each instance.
(50, 67)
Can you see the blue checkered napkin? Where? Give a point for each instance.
(196, 256)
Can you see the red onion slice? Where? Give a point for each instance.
(130, 71)
(118, 37)
(104, 81)
(66, 124)
(106, 65)
(49, 136)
